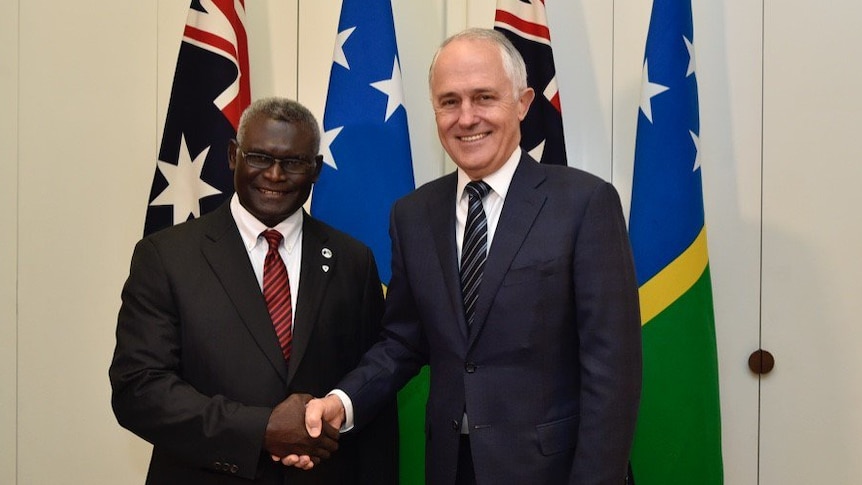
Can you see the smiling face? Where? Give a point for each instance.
(478, 115)
(271, 195)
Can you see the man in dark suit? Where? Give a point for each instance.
(200, 370)
(535, 351)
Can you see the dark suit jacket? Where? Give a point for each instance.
(550, 374)
(197, 367)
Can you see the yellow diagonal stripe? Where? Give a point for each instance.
(675, 279)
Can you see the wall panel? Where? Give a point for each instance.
(86, 99)
(811, 240)
(728, 45)
(8, 239)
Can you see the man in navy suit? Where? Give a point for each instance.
(536, 379)
(199, 369)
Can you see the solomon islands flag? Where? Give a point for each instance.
(678, 436)
(367, 166)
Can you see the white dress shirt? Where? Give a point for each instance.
(499, 182)
(290, 249)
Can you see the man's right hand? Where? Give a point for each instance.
(321, 415)
(286, 433)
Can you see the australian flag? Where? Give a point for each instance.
(210, 90)
(525, 24)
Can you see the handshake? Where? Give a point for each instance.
(302, 430)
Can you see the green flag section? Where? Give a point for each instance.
(411, 422)
(678, 435)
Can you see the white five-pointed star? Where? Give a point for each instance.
(326, 141)
(538, 151)
(648, 90)
(696, 140)
(338, 56)
(691, 63)
(185, 188)
(392, 88)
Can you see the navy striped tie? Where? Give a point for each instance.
(276, 292)
(474, 249)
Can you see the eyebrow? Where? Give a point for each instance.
(471, 93)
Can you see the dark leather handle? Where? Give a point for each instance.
(761, 362)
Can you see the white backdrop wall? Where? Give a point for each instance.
(8, 237)
(84, 88)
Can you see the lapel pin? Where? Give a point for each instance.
(325, 268)
(326, 253)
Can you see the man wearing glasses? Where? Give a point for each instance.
(225, 316)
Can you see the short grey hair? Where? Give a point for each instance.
(280, 109)
(513, 63)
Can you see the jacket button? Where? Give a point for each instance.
(234, 468)
(456, 425)
(470, 367)
(217, 465)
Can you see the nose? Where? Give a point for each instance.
(275, 172)
(467, 116)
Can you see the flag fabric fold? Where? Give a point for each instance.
(368, 165)
(210, 90)
(525, 24)
(678, 437)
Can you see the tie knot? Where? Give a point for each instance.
(478, 188)
(273, 237)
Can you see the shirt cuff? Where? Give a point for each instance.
(348, 409)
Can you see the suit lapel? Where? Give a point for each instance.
(225, 253)
(522, 205)
(318, 264)
(442, 223)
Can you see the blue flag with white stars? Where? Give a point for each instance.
(366, 146)
(367, 166)
(678, 435)
(667, 201)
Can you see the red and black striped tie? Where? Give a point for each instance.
(276, 292)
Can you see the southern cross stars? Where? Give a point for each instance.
(185, 188)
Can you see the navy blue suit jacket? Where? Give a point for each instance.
(550, 374)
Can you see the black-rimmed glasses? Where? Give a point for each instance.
(262, 161)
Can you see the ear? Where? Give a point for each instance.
(524, 102)
(232, 148)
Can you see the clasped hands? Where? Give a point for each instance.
(302, 430)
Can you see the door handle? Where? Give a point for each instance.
(761, 362)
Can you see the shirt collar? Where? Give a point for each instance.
(250, 227)
(499, 180)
